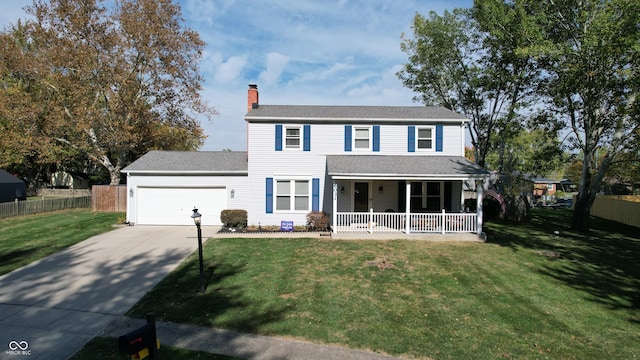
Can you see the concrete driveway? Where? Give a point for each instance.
(51, 308)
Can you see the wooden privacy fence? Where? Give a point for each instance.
(621, 208)
(17, 208)
(109, 198)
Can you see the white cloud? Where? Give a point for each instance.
(230, 70)
(205, 11)
(275, 64)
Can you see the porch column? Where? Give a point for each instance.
(479, 192)
(464, 208)
(407, 208)
(335, 207)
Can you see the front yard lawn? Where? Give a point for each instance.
(25, 239)
(525, 294)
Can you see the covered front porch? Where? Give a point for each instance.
(410, 200)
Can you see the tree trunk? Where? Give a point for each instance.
(114, 174)
(581, 212)
(587, 195)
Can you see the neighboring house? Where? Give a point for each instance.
(11, 188)
(372, 168)
(546, 189)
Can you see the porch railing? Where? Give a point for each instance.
(377, 222)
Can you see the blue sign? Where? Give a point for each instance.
(286, 225)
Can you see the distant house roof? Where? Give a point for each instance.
(214, 162)
(543, 180)
(391, 114)
(7, 178)
(403, 167)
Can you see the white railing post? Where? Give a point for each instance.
(444, 221)
(407, 207)
(370, 223)
(335, 207)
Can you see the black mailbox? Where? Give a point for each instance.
(136, 340)
(141, 342)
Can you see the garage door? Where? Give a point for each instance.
(174, 206)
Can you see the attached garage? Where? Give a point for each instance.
(174, 206)
(164, 186)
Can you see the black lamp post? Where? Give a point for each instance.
(196, 216)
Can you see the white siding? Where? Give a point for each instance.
(326, 139)
(239, 185)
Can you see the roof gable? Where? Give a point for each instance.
(7, 178)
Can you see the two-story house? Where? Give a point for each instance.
(372, 168)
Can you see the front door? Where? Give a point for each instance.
(361, 197)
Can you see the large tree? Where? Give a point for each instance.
(589, 51)
(80, 79)
(454, 62)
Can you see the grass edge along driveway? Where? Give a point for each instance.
(525, 294)
(25, 239)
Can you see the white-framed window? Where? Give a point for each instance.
(362, 138)
(425, 138)
(293, 195)
(293, 135)
(427, 196)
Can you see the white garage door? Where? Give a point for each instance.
(174, 206)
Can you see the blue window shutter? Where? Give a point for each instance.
(269, 196)
(347, 138)
(278, 137)
(376, 138)
(439, 138)
(307, 138)
(315, 195)
(412, 139)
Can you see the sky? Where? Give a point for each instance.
(298, 52)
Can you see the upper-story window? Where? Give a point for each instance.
(424, 138)
(292, 137)
(362, 138)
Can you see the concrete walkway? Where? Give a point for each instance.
(52, 307)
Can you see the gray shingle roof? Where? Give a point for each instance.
(190, 161)
(414, 166)
(405, 114)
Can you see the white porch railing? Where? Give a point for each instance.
(377, 222)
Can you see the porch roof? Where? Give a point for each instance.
(402, 167)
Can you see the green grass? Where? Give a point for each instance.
(107, 349)
(28, 238)
(525, 294)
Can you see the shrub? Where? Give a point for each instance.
(234, 218)
(318, 220)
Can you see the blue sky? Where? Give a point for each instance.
(324, 52)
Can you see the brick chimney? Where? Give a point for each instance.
(252, 99)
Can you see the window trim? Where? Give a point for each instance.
(285, 137)
(355, 137)
(433, 138)
(292, 195)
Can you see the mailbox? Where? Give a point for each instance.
(140, 342)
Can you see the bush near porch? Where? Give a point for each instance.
(533, 291)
